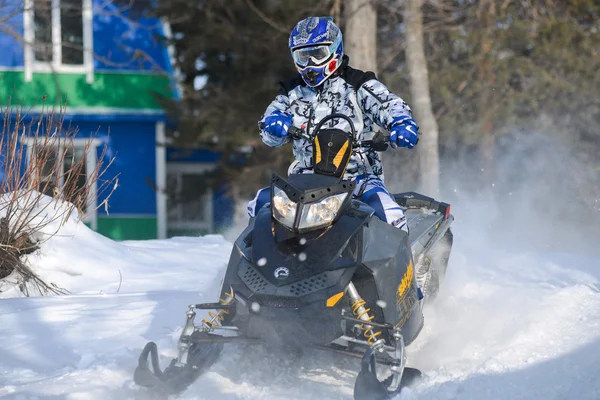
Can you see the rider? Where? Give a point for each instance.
(326, 84)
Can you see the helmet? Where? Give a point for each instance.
(317, 50)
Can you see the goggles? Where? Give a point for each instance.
(318, 55)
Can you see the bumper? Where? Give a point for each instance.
(294, 325)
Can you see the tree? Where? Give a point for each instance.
(231, 55)
(421, 100)
(360, 34)
(360, 43)
(496, 68)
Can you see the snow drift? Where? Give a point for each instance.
(122, 293)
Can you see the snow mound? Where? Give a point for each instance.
(75, 258)
(123, 294)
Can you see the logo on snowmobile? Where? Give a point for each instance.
(406, 281)
(282, 273)
(406, 298)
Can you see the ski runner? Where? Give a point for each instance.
(326, 84)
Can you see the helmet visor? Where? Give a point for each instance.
(318, 55)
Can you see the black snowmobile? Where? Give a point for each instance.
(317, 268)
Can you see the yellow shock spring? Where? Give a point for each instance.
(362, 313)
(215, 319)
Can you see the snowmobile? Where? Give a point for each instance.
(316, 267)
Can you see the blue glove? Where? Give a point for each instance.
(278, 123)
(404, 132)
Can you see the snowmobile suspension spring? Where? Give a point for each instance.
(362, 313)
(215, 319)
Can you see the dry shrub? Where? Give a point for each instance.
(43, 185)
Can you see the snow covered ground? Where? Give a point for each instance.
(509, 325)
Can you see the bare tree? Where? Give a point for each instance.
(421, 100)
(360, 43)
(360, 34)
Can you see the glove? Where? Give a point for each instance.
(404, 132)
(278, 123)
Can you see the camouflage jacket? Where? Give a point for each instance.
(356, 94)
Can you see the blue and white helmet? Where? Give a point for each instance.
(317, 49)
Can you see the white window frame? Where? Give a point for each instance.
(161, 179)
(31, 65)
(91, 161)
(198, 169)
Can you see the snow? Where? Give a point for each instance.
(85, 262)
(509, 324)
(525, 327)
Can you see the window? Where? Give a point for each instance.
(53, 166)
(71, 22)
(58, 36)
(42, 26)
(189, 208)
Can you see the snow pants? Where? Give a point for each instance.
(369, 189)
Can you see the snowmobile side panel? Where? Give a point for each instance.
(417, 200)
(390, 262)
(420, 223)
(422, 226)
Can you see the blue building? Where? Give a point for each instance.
(110, 67)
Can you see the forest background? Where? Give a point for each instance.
(507, 93)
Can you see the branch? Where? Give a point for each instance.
(266, 19)
(29, 218)
(119, 13)
(336, 10)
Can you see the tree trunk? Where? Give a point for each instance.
(360, 34)
(486, 97)
(421, 101)
(360, 44)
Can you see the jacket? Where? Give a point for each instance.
(354, 93)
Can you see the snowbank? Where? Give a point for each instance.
(123, 294)
(74, 257)
(85, 262)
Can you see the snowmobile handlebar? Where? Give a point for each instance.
(379, 142)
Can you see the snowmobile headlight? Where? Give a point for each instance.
(322, 213)
(284, 209)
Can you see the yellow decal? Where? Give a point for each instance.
(406, 299)
(337, 160)
(332, 301)
(318, 149)
(406, 280)
(406, 306)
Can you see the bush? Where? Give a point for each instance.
(43, 185)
